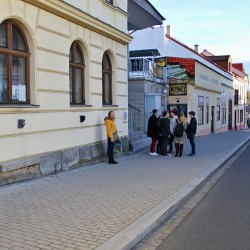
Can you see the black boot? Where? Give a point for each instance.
(176, 149)
(112, 162)
(181, 149)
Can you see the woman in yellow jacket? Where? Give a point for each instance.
(111, 129)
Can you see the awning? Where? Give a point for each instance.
(142, 14)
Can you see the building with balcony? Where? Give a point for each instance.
(195, 82)
(147, 88)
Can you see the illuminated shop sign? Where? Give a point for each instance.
(177, 89)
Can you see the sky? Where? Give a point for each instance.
(220, 26)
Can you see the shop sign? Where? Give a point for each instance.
(177, 89)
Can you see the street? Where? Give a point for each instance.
(222, 219)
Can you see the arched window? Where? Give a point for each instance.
(106, 80)
(76, 75)
(14, 65)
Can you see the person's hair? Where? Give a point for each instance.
(164, 113)
(174, 111)
(154, 111)
(181, 115)
(192, 113)
(110, 113)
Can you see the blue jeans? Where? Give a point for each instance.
(191, 139)
(110, 150)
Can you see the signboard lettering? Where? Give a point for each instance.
(177, 89)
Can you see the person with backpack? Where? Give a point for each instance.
(180, 135)
(153, 131)
(191, 131)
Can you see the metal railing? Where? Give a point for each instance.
(146, 69)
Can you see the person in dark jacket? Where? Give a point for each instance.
(164, 122)
(191, 131)
(153, 131)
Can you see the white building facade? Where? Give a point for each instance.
(208, 90)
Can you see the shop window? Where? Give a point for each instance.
(106, 80)
(223, 107)
(224, 112)
(14, 65)
(76, 75)
(200, 110)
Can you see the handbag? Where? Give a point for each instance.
(118, 148)
(116, 137)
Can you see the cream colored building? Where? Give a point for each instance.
(62, 69)
(195, 86)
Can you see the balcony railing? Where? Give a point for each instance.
(146, 69)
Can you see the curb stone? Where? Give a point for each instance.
(138, 230)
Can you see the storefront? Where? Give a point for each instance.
(194, 86)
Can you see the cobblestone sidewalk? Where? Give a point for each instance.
(82, 208)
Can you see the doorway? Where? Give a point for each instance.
(230, 114)
(212, 119)
(235, 119)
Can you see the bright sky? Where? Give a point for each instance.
(220, 26)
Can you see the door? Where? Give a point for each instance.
(212, 119)
(181, 108)
(149, 106)
(235, 119)
(230, 114)
(152, 101)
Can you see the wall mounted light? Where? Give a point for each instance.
(20, 123)
(82, 118)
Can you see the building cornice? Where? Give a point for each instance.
(81, 18)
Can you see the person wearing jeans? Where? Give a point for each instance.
(111, 129)
(191, 131)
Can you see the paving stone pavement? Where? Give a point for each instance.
(83, 208)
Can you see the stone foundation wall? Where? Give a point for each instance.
(53, 162)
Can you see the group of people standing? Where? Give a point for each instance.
(171, 128)
(164, 130)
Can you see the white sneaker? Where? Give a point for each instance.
(153, 153)
(168, 155)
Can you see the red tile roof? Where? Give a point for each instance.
(239, 66)
(188, 63)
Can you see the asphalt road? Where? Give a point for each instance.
(221, 221)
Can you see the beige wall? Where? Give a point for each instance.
(53, 124)
(113, 15)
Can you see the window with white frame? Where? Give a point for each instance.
(223, 107)
(200, 110)
(207, 109)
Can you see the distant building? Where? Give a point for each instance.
(195, 82)
(241, 82)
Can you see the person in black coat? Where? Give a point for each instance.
(153, 131)
(164, 122)
(191, 131)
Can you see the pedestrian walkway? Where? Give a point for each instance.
(106, 206)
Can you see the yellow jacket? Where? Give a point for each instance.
(110, 126)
